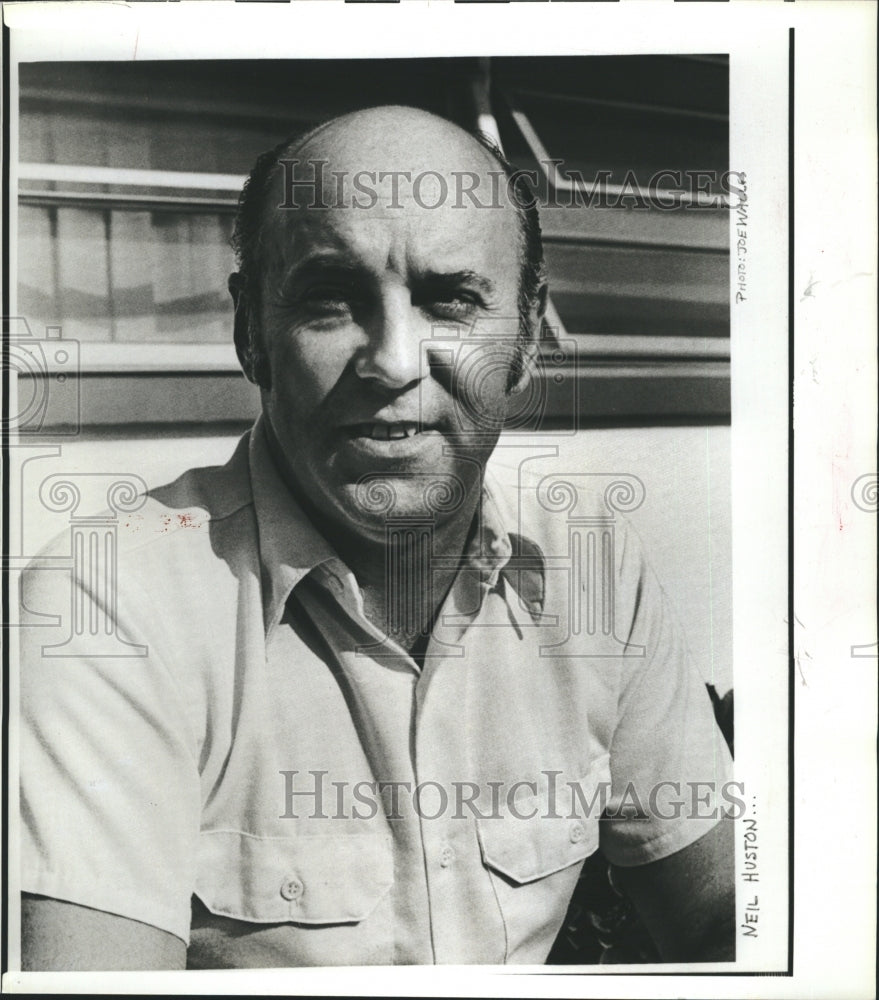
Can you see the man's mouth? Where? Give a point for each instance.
(393, 441)
(385, 431)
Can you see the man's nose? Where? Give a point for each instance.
(393, 354)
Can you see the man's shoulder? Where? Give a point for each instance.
(546, 507)
(186, 514)
(199, 498)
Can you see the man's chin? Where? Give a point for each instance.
(378, 499)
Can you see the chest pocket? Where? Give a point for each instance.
(534, 862)
(314, 879)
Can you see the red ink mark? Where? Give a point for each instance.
(188, 521)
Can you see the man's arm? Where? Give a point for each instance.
(58, 936)
(687, 900)
(109, 784)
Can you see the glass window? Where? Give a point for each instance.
(623, 269)
(106, 274)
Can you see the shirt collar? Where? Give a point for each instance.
(290, 546)
(489, 548)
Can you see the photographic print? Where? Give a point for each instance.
(398, 442)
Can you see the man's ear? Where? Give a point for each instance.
(523, 369)
(248, 347)
(539, 308)
(528, 349)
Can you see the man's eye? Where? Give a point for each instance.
(452, 304)
(331, 299)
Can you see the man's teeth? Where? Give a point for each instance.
(389, 432)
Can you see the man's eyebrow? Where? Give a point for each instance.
(322, 262)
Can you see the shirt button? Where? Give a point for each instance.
(447, 856)
(292, 888)
(577, 833)
(336, 586)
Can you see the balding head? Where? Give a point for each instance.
(394, 137)
(379, 158)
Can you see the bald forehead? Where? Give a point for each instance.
(395, 138)
(388, 156)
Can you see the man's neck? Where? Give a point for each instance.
(402, 582)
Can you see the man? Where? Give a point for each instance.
(362, 728)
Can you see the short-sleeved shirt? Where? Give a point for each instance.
(218, 742)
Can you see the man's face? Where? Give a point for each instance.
(390, 333)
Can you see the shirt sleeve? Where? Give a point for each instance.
(669, 761)
(110, 793)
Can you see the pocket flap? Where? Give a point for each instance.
(554, 835)
(311, 879)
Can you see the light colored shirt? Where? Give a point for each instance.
(270, 777)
